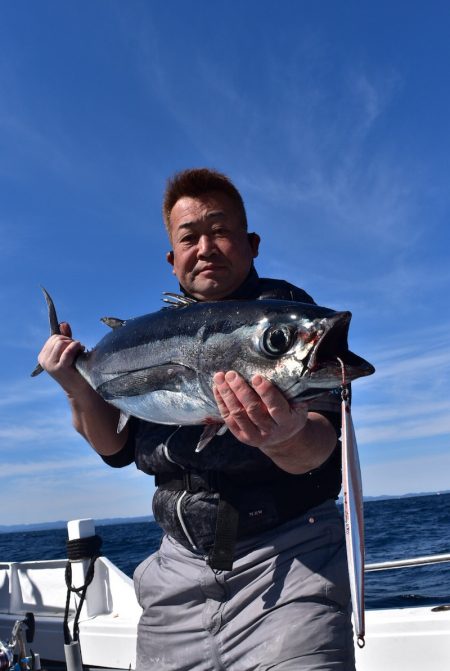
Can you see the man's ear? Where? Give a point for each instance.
(254, 240)
(170, 257)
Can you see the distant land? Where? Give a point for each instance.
(61, 524)
(410, 495)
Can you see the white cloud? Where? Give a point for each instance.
(33, 430)
(74, 489)
(20, 393)
(412, 474)
(407, 398)
(401, 429)
(46, 469)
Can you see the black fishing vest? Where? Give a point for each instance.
(229, 490)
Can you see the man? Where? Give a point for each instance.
(251, 573)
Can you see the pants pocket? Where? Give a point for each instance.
(141, 580)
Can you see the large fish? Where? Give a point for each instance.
(160, 367)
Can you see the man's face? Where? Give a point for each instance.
(212, 253)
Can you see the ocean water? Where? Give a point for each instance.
(395, 529)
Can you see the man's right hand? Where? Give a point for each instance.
(57, 357)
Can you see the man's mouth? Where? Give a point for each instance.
(209, 269)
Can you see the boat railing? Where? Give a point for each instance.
(405, 563)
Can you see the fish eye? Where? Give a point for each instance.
(277, 340)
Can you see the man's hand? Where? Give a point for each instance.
(261, 416)
(57, 357)
(257, 415)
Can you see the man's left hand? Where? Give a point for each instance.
(258, 415)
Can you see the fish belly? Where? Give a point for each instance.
(167, 407)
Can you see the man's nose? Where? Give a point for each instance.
(206, 245)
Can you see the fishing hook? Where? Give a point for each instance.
(344, 384)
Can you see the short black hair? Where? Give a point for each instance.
(195, 182)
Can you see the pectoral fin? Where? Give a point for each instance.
(170, 377)
(123, 420)
(209, 432)
(37, 370)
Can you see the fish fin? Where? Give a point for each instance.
(209, 432)
(156, 378)
(123, 420)
(113, 322)
(52, 318)
(54, 325)
(37, 371)
(177, 300)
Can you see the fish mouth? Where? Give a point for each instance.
(332, 346)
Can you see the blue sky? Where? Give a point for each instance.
(332, 119)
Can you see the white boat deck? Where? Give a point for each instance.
(403, 639)
(109, 618)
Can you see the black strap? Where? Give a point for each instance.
(191, 481)
(221, 554)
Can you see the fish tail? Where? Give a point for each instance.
(54, 325)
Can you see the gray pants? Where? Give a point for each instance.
(284, 606)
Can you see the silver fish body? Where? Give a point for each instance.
(160, 367)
